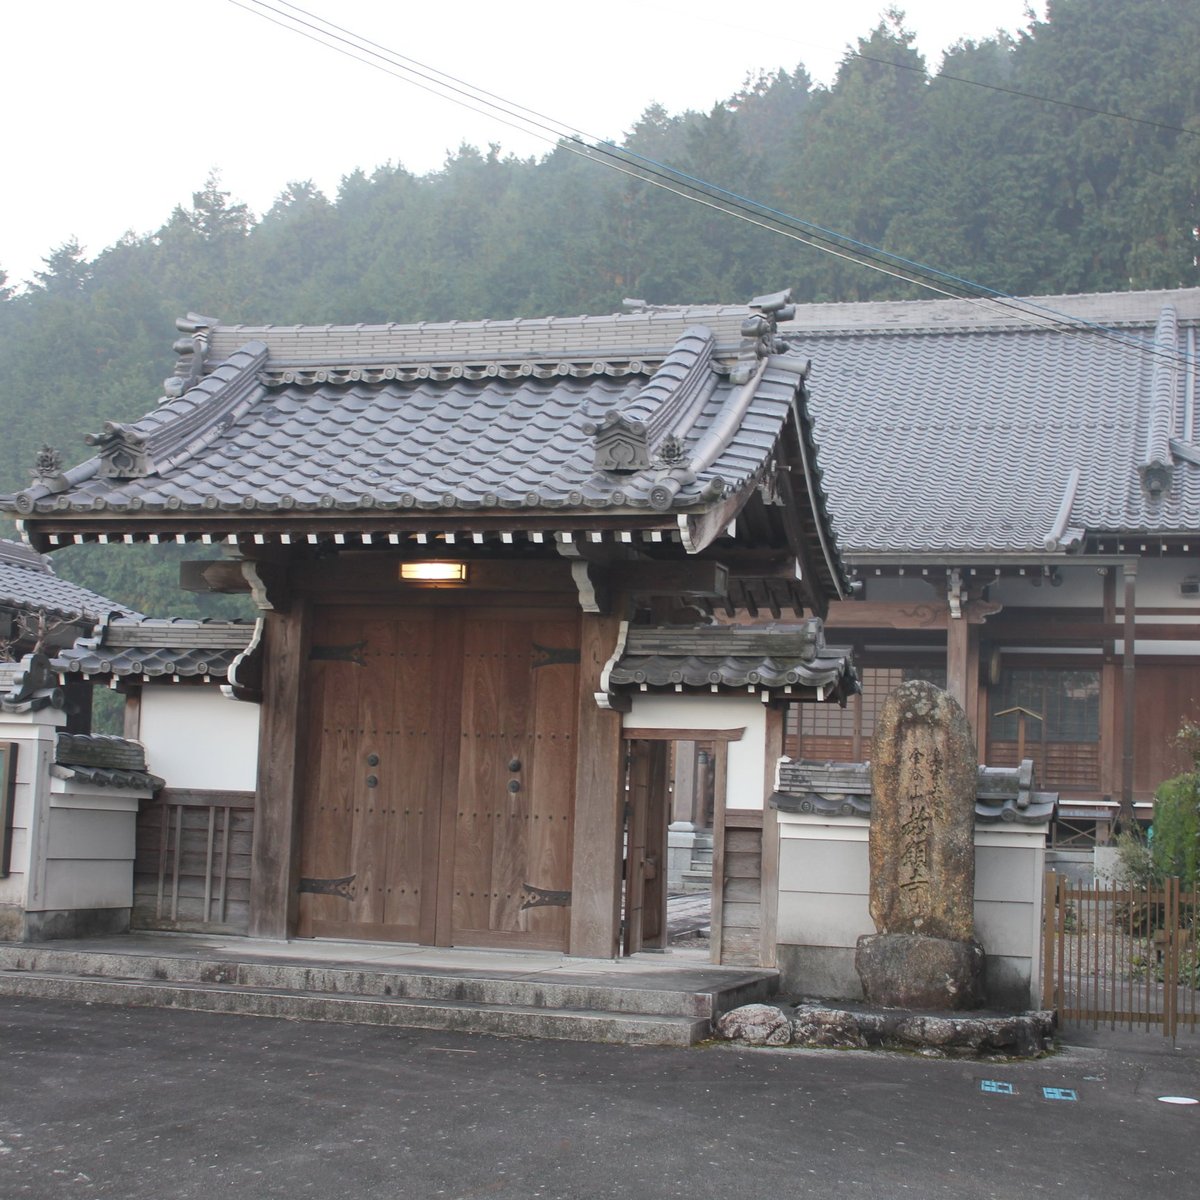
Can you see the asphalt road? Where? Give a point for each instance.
(141, 1103)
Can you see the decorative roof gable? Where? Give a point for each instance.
(665, 423)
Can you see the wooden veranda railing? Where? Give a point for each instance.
(1121, 955)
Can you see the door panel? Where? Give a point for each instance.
(368, 863)
(516, 780)
(440, 775)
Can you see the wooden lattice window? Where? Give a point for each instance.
(1065, 742)
(829, 732)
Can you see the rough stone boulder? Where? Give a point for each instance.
(909, 971)
(756, 1025)
(1019, 1035)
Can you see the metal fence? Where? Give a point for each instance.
(1118, 955)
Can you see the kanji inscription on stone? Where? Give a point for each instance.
(922, 837)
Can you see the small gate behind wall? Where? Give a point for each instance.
(1121, 955)
(192, 871)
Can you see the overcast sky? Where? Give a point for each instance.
(116, 112)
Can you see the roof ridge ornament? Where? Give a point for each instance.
(760, 333)
(122, 450)
(621, 443)
(192, 351)
(48, 465)
(664, 407)
(1157, 468)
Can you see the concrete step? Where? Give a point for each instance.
(496, 1019)
(672, 1005)
(688, 994)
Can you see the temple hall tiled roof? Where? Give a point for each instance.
(28, 582)
(1005, 429)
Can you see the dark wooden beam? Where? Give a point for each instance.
(698, 577)
(798, 543)
(220, 575)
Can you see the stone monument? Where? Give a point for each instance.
(922, 851)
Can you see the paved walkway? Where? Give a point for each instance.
(161, 1105)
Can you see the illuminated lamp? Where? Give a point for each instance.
(433, 572)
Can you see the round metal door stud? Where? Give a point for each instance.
(372, 781)
(372, 760)
(514, 764)
(514, 786)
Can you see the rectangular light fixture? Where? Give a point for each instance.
(434, 572)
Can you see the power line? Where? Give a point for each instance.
(679, 183)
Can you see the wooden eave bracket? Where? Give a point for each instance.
(606, 698)
(265, 581)
(246, 670)
(591, 581)
(267, 584)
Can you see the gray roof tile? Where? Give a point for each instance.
(27, 581)
(945, 428)
(519, 437)
(784, 659)
(157, 648)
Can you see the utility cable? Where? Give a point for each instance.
(669, 178)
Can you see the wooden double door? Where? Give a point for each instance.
(439, 775)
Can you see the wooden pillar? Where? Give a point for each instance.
(769, 895)
(275, 865)
(132, 724)
(684, 799)
(1110, 686)
(599, 803)
(963, 666)
(1129, 713)
(958, 638)
(971, 691)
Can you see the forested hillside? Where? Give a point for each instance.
(986, 183)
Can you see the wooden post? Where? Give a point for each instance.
(716, 918)
(1125, 817)
(275, 865)
(132, 725)
(958, 638)
(971, 684)
(769, 894)
(599, 803)
(683, 809)
(1110, 770)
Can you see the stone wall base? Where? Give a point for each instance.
(17, 925)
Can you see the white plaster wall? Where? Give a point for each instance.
(196, 738)
(747, 757)
(1157, 587)
(1081, 587)
(824, 890)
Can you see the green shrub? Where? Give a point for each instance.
(1175, 843)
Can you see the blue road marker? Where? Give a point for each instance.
(998, 1086)
(1060, 1093)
